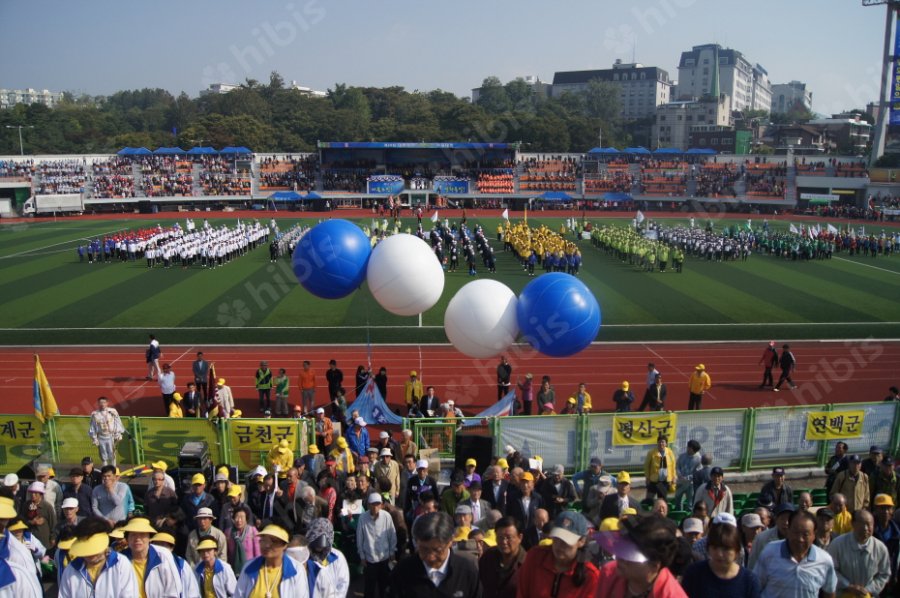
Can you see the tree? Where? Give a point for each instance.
(520, 94)
(493, 96)
(602, 100)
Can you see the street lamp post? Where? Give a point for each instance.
(20, 127)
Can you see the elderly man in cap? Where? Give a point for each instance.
(885, 481)
(197, 499)
(53, 492)
(463, 520)
(324, 431)
(274, 571)
(715, 494)
(471, 475)
(418, 485)
(388, 469)
(557, 493)
(560, 565)
(522, 503)
(326, 566)
(92, 476)
(358, 437)
(204, 528)
(862, 562)
(281, 458)
(376, 541)
(583, 480)
(783, 515)
(70, 517)
(154, 568)
(480, 507)
(168, 480)
(39, 515)
(776, 490)
(78, 490)
(94, 569)
(455, 494)
(869, 465)
(886, 529)
(824, 527)
(751, 527)
(615, 502)
(853, 484)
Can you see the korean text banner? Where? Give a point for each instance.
(643, 429)
(830, 425)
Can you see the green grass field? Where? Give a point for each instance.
(48, 297)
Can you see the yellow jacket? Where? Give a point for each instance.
(699, 382)
(343, 459)
(652, 463)
(175, 409)
(284, 460)
(413, 389)
(587, 401)
(843, 523)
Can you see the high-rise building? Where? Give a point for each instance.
(642, 88)
(11, 97)
(786, 95)
(676, 121)
(710, 69)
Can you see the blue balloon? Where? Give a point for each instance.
(558, 315)
(331, 258)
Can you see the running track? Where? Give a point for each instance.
(828, 372)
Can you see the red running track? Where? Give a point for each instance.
(828, 372)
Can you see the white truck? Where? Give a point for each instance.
(71, 203)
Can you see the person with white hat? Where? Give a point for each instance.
(376, 541)
(53, 492)
(154, 568)
(106, 430)
(79, 490)
(95, 570)
(274, 571)
(326, 566)
(214, 576)
(165, 539)
(418, 485)
(324, 431)
(358, 438)
(163, 467)
(40, 516)
(204, 521)
(70, 517)
(388, 469)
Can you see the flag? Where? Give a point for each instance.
(501, 408)
(434, 217)
(793, 229)
(505, 214)
(526, 214)
(639, 217)
(211, 388)
(831, 229)
(44, 403)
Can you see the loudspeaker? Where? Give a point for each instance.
(475, 447)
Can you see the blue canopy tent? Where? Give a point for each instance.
(168, 151)
(312, 195)
(290, 196)
(240, 150)
(701, 151)
(202, 151)
(140, 151)
(125, 151)
(372, 408)
(604, 150)
(616, 196)
(636, 150)
(554, 196)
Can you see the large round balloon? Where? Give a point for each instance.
(480, 320)
(558, 315)
(404, 275)
(330, 259)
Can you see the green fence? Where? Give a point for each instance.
(737, 439)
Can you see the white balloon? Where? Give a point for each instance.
(404, 275)
(480, 320)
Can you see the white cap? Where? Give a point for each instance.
(422, 464)
(509, 449)
(692, 525)
(37, 487)
(70, 503)
(360, 422)
(258, 470)
(725, 518)
(450, 403)
(386, 452)
(320, 410)
(384, 434)
(10, 480)
(375, 498)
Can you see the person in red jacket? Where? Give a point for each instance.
(563, 568)
(768, 360)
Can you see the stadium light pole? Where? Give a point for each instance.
(887, 59)
(20, 127)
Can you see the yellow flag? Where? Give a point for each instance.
(526, 214)
(44, 403)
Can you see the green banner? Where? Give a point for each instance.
(21, 441)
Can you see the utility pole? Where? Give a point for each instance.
(20, 127)
(887, 61)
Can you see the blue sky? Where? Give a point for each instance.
(102, 46)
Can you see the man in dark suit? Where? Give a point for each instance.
(495, 489)
(191, 401)
(526, 502)
(479, 506)
(538, 529)
(431, 405)
(613, 504)
(433, 569)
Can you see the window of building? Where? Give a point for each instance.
(615, 76)
(679, 118)
(643, 76)
(689, 117)
(662, 117)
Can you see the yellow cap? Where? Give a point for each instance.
(501, 462)
(275, 531)
(237, 413)
(342, 442)
(65, 544)
(610, 524)
(163, 537)
(7, 508)
(313, 449)
(221, 381)
(623, 478)
(700, 367)
(625, 385)
(207, 544)
(139, 525)
(572, 400)
(527, 477)
(235, 490)
(471, 462)
(223, 470)
(628, 511)
(413, 373)
(159, 465)
(51, 472)
(17, 526)
(89, 546)
(116, 534)
(284, 443)
(177, 397)
(198, 478)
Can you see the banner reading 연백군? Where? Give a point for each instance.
(834, 425)
(385, 187)
(643, 429)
